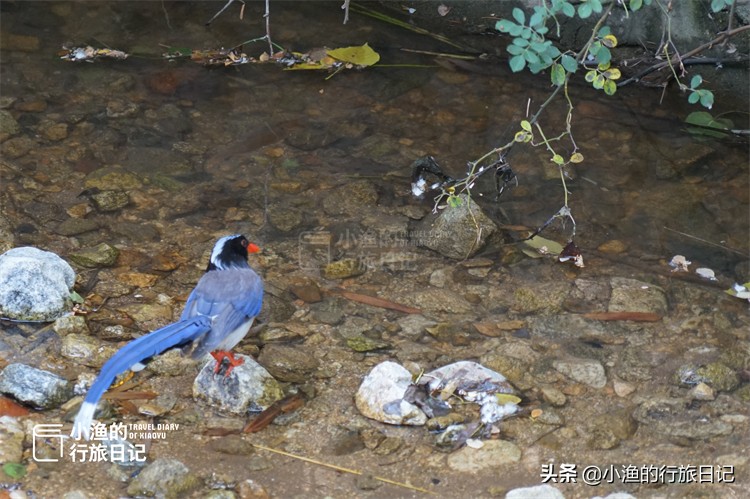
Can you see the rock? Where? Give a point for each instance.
(13, 434)
(308, 292)
(719, 376)
(75, 226)
(108, 201)
(440, 277)
(631, 295)
(251, 489)
(70, 324)
(55, 131)
(248, 387)
(288, 363)
(587, 371)
(35, 387)
(86, 350)
(102, 255)
(112, 178)
(553, 396)
(34, 285)
(351, 199)
(537, 492)
(381, 396)
(458, 232)
(489, 456)
(166, 478)
(622, 388)
(702, 391)
(364, 344)
(610, 428)
(413, 326)
(342, 269)
(677, 419)
(8, 123)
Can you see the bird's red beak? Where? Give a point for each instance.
(252, 248)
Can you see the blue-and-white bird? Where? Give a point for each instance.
(217, 315)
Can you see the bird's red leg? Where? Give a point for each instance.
(225, 362)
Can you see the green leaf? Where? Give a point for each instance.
(694, 97)
(584, 10)
(526, 125)
(595, 48)
(454, 201)
(517, 63)
(610, 87)
(527, 32)
(596, 5)
(515, 49)
(604, 31)
(612, 74)
(599, 82)
(537, 20)
(604, 56)
(362, 55)
(558, 160)
(707, 99)
(552, 51)
(538, 242)
(522, 136)
(557, 74)
(636, 4)
(75, 297)
(569, 63)
(531, 57)
(516, 30)
(717, 5)
(568, 9)
(504, 25)
(696, 81)
(519, 16)
(590, 75)
(14, 470)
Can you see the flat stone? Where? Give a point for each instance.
(489, 456)
(587, 371)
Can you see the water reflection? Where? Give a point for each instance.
(260, 138)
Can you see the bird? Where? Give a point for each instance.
(217, 315)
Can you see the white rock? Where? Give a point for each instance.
(381, 396)
(34, 284)
(538, 492)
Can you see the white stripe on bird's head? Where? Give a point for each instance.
(231, 252)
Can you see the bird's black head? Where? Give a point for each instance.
(231, 252)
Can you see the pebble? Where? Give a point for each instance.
(101, 255)
(343, 269)
(587, 371)
(492, 454)
(168, 478)
(288, 363)
(702, 391)
(536, 492)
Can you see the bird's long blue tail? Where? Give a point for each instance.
(131, 354)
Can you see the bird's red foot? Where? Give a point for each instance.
(225, 362)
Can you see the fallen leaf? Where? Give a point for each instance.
(495, 329)
(9, 407)
(362, 55)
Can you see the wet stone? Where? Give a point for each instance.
(86, 350)
(70, 324)
(587, 371)
(16, 147)
(110, 178)
(102, 255)
(55, 131)
(8, 123)
(288, 363)
(489, 456)
(105, 201)
(309, 293)
(719, 376)
(413, 326)
(553, 396)
(168, 478)
(13, 435)
(674, 418)
(351, 199)
(457, 232)
(631, 295)
(76, 226)
(342, 269)
(34, 386)
(248, 387)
